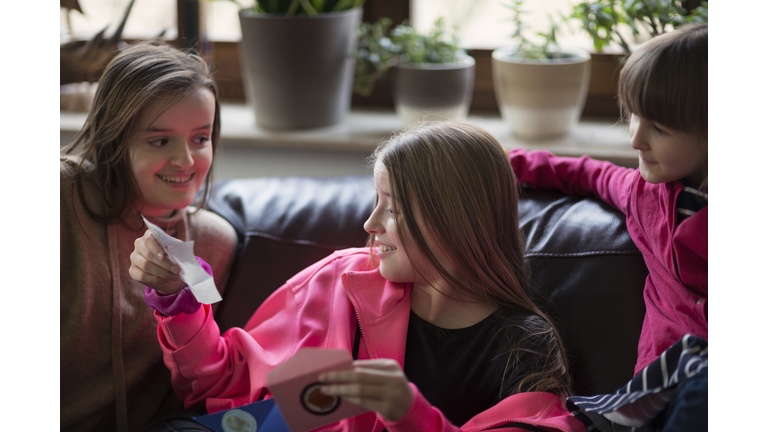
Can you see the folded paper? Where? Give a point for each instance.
(296, 389)
(183, 254)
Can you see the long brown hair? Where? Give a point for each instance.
(665, 81)
(461, 180)
(139, 75)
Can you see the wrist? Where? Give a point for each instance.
(182, 301)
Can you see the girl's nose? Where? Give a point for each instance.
(372, 226)
(637, 136)
(181, 157)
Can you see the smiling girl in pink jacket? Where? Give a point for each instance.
(435, 311)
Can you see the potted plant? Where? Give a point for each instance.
(604, 20)
(297, 60)
(433, 77)
(615, 28)
(540, 87)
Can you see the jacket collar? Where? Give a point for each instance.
(383, 309)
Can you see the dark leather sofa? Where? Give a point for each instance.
(586, 271)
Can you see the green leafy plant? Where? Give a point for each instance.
(299, 7)
(604, 19)
(546, 48)
(377, 52)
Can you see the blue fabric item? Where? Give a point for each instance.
(688, 409)
(263, 416)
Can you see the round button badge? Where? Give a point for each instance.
(238, 421)
(316, 402)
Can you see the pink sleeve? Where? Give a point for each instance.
(544, 411)
(421, 416)
(228, 370)
(577, 176)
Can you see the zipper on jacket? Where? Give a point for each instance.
(365, 340)
(357, 315)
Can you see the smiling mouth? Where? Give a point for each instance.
(383, 248)
(175, 179)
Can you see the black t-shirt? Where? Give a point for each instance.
(463, 372)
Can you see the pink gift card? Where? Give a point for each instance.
(296, 389)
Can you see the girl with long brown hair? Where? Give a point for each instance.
(146, 148)
(448, 337)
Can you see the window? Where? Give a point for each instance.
(487, 24)
(222, 22)
(147, 19)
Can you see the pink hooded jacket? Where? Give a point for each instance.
(320, 307)
(676, 290)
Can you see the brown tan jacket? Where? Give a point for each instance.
(112, 373)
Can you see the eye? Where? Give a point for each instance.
(201, 140)
(389, 211)
(158, 142)
(658, 129)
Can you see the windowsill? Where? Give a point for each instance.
(364, 129)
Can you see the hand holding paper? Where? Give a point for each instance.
(182, 254)
(296, 389)
(377, 384)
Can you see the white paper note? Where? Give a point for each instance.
(182, 254)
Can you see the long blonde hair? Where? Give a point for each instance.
(461, 179)
(139, 75)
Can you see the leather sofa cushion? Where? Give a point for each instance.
(585, 270)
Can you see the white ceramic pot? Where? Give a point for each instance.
(433, 91)
(541, 99)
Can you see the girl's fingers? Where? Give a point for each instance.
(380, 364)
(140, 262)
(355, 390)
(152, 245)
(374, 370)
(151, 250)
(385, 391)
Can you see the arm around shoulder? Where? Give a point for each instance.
(577, 176)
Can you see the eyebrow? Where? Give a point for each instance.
(155, 129)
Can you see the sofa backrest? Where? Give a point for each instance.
(586, 272)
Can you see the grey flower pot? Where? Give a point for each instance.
(433, 91)
(298, 71)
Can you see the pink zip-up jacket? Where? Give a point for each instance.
(320, 307)
(676, 256)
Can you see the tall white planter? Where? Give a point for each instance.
(541, 98)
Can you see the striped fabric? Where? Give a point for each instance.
(633, 407)
(690, 201)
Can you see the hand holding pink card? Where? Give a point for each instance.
(296, 389)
